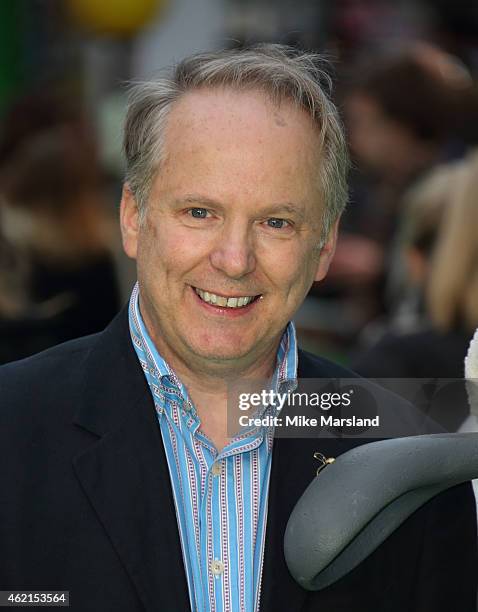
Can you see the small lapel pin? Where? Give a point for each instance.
(324, 461)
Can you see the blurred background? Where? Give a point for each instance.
(401, 298)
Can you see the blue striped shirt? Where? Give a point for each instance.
(220, 497)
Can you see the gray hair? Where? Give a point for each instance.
(282, 72)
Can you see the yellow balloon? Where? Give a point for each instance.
(117, 17)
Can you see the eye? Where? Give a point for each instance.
(277, 223)
(198, 213)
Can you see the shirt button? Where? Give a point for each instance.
(217, 567)
(216, 468)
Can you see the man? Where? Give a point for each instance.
(122, 484)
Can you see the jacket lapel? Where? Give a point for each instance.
(124, 471)
(293, 469)
(291, 472)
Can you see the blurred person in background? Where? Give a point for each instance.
(404, 116)
(429, 336)
(55, 233)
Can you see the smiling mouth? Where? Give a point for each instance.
(239, 301)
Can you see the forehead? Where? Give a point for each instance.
(241, 105)
(247, 117)
(244, 135)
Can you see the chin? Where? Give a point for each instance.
(221, 351)
(223, 344)
(220, 354)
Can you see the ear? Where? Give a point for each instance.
(129, 219)
(327, 252)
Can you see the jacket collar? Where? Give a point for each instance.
(124, 471)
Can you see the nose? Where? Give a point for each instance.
(233, 252)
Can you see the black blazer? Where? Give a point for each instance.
(86, 502)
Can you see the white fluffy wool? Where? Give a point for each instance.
(471, 374)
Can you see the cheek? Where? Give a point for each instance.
(291, 269)
(168, 253)
(153, 263)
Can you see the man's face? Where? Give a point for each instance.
(234, 214)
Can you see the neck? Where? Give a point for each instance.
(208, 381)
(210, 394)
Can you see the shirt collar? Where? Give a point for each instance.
(142, 340)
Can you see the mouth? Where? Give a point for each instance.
(230, 302)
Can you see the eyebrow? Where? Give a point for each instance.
(194, 198)
(275, 209)
(285, 207)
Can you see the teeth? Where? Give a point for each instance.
(232, 302)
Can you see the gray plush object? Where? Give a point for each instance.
(357, 501)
